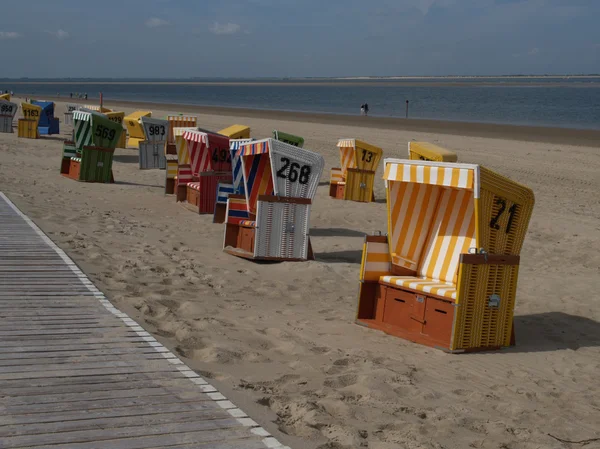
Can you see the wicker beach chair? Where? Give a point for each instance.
(28, 125)
(446, 273)
(118, 117)
(152, 151)
(48, 124)
(236, 132)
(280, 182)
(180, 121)
(354, 179)
(95, 140)
(135, 128)
(7, 114)
(297, 141)
(236, 186)
(210, 163)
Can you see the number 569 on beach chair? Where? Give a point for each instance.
(446, 273)
(355, 178)
(271, 220)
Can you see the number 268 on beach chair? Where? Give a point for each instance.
(446, 273)
(271, 220)
(355, 178)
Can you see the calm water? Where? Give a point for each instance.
(570, 103)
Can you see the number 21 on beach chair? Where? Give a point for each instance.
(152, 150)
(7, 114)
(135, 128)
(210, 163)
(446, 273)
(355, 178)
(236, 186)
(271, 220)
(28, 125)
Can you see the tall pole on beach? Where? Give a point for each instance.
(406, 108)
(101, 101)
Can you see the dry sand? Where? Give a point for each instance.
(279, 339)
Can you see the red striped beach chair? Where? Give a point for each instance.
(237, 184)
(210, 163)
(280, 182)
(445, 275)
(355, 178)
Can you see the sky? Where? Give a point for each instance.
(297, 38)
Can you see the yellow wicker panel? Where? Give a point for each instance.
(236, 132)
(135, 128)
(426, 151)
(27, 128)
(359, 185)
(477, 325)
(367, 156)
(505, 209)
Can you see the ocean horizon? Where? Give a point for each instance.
(567, 101)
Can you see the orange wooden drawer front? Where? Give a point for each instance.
(439, 316)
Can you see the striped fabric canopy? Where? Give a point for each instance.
(197, 145)
(346, 143)
(82, 115)
(196, 136)
(460, 176)
(236, 162)
(258, 147)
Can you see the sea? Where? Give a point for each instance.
(569, 102)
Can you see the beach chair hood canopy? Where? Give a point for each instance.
(208, 151)
(355, 153)
(95, 129)
(155, 129)
(286, 171)
(8, 108)
(236, 163)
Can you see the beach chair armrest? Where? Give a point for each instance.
(375, 258)
(283, 199)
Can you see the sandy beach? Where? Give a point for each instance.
(280, 339)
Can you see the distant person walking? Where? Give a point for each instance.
(71, 94)
(362, 109)
(366, 109)
(86, 96)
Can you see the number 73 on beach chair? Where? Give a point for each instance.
(446, 273)
(355, 178)
(271, 220)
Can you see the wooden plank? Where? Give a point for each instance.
(90, 347)
(73, 372)
(156, 401)
(209, 430)
(161, 364)
(111, 422)
(77, 358)
(61, 344)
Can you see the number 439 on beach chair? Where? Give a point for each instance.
(355, 178)
(446, 273)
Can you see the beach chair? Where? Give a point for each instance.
(153, 150)
(96, 108)
(7, 114)
(445, 275)
(27, 126)
(355, 178)
(135, 129)
(95, 140)
(425, 151)
(118, 117)
(271, 220)
(297, 141)
(48, 124)
(236, 132)
(5, 97)
(180, 121)
(210, 163)
(224, 189)
(184, 169)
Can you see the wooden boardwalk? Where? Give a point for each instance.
(76, 373)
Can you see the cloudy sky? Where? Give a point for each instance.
(248, 38)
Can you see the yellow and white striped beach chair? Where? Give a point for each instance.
(354, 179)
(446, 273)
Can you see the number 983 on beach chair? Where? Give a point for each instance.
(446, 273)
(355, 178)
(152, 151)
(271, 220)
